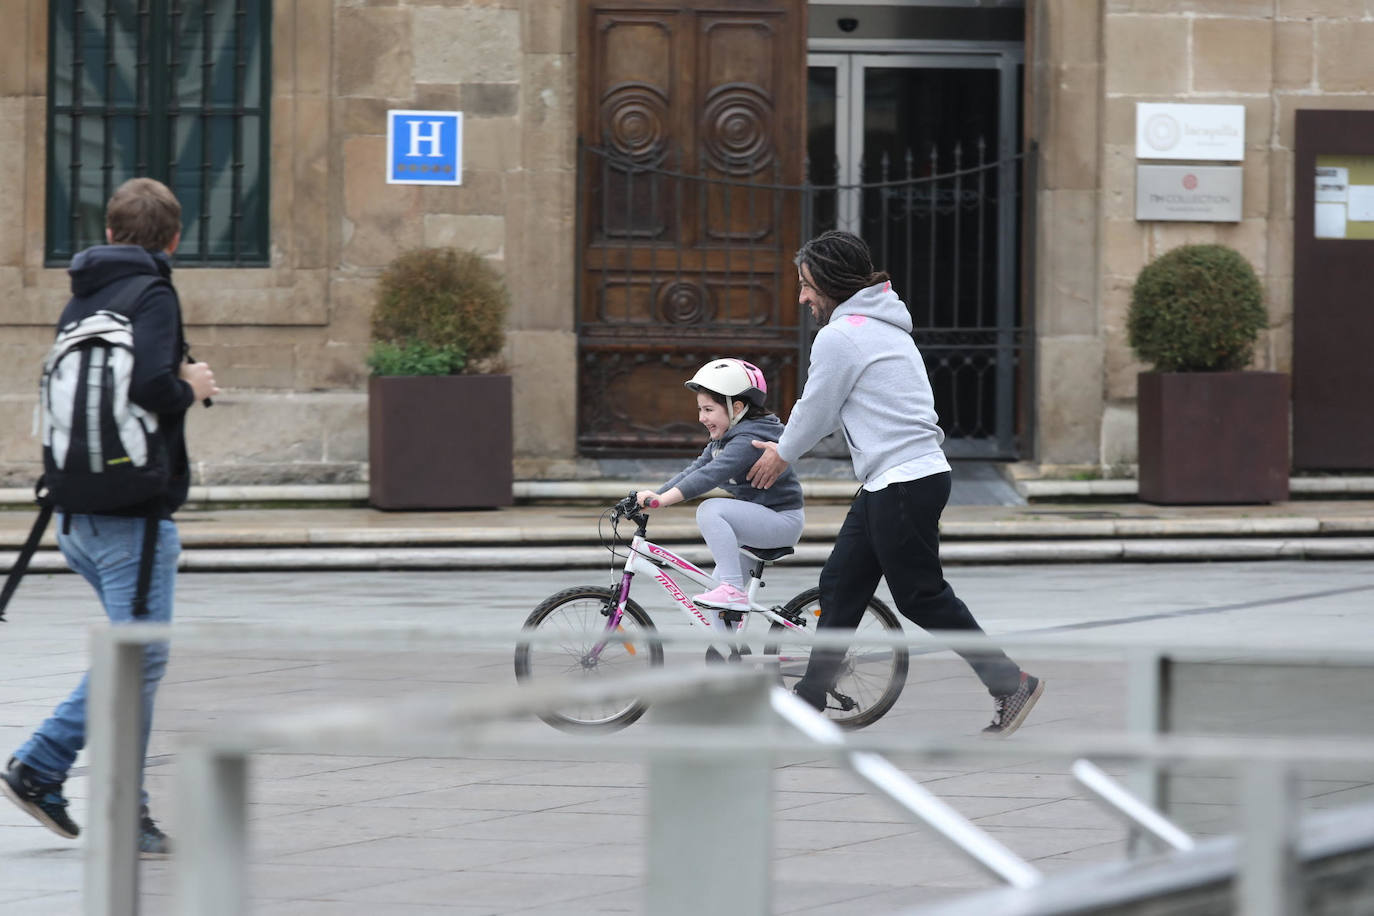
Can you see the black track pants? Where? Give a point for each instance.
(895, 533)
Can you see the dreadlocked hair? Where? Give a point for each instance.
(840, 264)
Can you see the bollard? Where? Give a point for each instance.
(1269, 882)
(711, 812)
(212, 788)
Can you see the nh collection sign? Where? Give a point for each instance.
(1180, 131)
(424, 147)
(1188, 192)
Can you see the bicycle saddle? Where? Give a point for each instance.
(768, 554)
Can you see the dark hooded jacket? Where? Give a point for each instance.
(159, 346)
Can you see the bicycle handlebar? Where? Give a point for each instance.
(629, 508)
(651, 503)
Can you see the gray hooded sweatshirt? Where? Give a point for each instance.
(868, 378)
(725, 463)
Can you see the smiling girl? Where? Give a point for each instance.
(730, 396)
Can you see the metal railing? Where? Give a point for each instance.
(734, 721)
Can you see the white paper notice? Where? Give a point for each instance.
(1361, 203)
(1331, 184)
(1330, 222)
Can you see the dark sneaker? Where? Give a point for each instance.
(152, 842)
(810, 696)
(1012, 709)
(42, 800)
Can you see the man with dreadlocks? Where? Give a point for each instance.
(868, 378)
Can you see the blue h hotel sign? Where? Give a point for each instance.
(424, 147)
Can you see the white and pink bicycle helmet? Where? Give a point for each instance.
(733, 379)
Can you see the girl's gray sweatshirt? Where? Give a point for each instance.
(725, 463)
(867, 378)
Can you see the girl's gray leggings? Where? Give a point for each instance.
(728, 523)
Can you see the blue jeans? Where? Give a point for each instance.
(105, 550)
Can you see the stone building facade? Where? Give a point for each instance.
(1092, 62)
(288, 340)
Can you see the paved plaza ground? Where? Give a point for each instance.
(553, 832)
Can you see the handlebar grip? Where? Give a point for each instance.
(651, 504)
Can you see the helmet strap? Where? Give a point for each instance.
(735, 418)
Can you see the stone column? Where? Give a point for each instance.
(1065, 115)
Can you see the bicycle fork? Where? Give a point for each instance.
(614, 615)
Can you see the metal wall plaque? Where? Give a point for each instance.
(424, 147)
(1168, 130)
(1209, 194)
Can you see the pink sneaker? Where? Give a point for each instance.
(724, 597)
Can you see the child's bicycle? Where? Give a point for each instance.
(870, 678)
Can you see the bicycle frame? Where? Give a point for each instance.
(659, 563)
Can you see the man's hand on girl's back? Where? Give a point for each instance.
(769, 467)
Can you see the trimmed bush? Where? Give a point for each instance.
(1197, 308)
(439, 311)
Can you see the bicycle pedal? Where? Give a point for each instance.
(846, 703)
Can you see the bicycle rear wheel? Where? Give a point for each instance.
(579, 616)
(871, 677)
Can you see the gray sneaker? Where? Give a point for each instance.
(42, 800)
(1011, 710)
(152, 842)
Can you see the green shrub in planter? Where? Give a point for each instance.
(387, 358)
(439, 311)
(439, 402)
(1197, 308)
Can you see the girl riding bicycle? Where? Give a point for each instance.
(730, 396)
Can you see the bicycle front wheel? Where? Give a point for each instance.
(871, 677)
(579, 617)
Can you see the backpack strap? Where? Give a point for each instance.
(21, 564)
(145, 565)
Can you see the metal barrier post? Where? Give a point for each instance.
(1269, 882)
(213, 832)
(1146, 703)
(1140, 816)
(114, 712)
(711, 811)
(911, 796)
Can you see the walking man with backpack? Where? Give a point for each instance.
(115, 482)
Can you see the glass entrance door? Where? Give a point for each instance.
(921, 153)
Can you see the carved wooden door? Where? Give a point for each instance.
(691, 139)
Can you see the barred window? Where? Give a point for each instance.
(175, 90)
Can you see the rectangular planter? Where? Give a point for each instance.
(1213, 437)
(439, 441)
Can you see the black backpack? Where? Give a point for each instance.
(101, 451)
